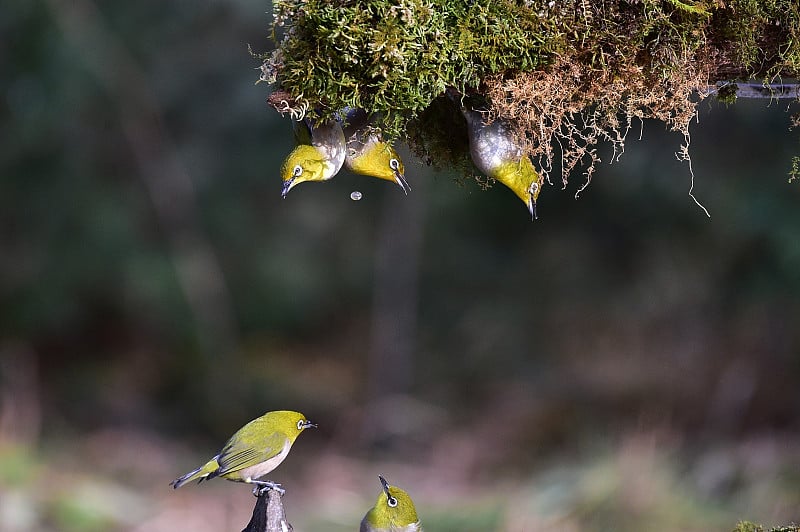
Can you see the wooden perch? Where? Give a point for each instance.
(268, 513)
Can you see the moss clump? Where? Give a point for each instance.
(567, 73)
(726, 93)
(756, 37)
(395, 57)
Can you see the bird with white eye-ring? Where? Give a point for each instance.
(393, 512)
(368, 153)
(318, 156)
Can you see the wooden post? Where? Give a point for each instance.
(268, 513)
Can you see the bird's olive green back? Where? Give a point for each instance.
(302, 131)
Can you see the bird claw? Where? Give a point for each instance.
(295, 113)
(263, 486)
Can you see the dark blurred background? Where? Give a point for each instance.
(623, 363)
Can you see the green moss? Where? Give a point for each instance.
(727, 93)
(794, 173)
(757, 32)
(395, 58)
(747, 526)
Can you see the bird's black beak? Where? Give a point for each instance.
(286, 186)
(307, 424)
(400, 179)
(532, 208)
(385, 485)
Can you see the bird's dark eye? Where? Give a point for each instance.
(302, 423)
(394, 164)
(297, 170)
(392, 501)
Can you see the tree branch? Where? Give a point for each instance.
(268, 513)
(747, 89)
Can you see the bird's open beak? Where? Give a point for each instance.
(385, 485)
(287, 186)
(307, 424)
(400, 179)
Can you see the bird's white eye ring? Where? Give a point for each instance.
(302, 423)
(392, 502)
(394, 164)
(297, 170)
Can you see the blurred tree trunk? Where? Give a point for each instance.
(170, 186)
(395, 294)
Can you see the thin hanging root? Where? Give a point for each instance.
(683, 155)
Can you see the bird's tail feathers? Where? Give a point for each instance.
(200, 474)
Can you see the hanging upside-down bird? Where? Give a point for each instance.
(497, 153)
(318, 156)
(368, 154)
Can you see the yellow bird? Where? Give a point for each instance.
(497, 153)
(253, 451)
(319, 154)
(368, 154)
(393, 512)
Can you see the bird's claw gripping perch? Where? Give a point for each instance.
(263, 486)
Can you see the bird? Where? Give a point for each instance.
(319, 154)
(253, 451)
(393, 512)
(367, 153)
(497, 153)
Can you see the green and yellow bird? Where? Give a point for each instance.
(393, 512)
(497, 153)
(368, 154)
(255, 450)
(319, 153)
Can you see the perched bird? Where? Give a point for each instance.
(496, 153)
(367, 152)
(255, 450)
(318, 156)
(393, 512)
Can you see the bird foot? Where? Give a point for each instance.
(263, 486)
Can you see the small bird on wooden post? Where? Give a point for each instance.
(253, 451)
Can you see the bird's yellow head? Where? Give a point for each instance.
(287, 422)
(378, 159)
(523, 179)
(393, 510)
(305, 163)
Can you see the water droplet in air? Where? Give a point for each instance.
(355, 195)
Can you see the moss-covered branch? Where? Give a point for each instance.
(567, 74)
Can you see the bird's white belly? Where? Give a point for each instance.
(259, 470)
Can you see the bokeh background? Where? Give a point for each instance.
(624, 363)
